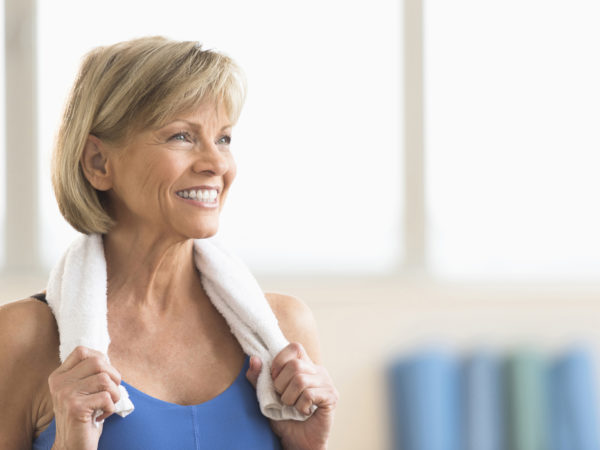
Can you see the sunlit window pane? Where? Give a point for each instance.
(513, 142)
(317, 146)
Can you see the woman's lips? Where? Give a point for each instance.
(202, 196)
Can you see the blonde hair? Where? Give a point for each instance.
(128, 87)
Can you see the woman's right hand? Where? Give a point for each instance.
(84, 383)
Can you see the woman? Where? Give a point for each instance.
(143, 157)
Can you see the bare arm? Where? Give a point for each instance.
(298, 377)
(28, 349)
(297, 322)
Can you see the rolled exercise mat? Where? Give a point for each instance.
(483, 421)
(527, 402)
(575, 421)
(426, 402)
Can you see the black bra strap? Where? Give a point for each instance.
(41, 297)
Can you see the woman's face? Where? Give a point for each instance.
(175, 179)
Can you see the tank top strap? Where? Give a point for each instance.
(41, 297)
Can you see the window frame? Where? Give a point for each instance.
(22, 246)
(21, 232)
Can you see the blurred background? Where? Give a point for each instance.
(421, 173)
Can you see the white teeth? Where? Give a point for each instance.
(203, 195)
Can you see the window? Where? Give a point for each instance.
(318, 143)
(512, 107)
(511, 147)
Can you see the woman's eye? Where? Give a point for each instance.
(182, 136)
(224, 140)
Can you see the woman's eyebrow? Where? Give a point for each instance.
(194, 124)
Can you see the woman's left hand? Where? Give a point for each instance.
(302, 384)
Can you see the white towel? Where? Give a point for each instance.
(77, 295)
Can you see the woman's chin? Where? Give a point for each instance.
(203, 235)
(204, 232)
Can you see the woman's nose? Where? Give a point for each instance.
(211, 159)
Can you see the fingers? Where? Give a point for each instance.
(299, 381)
(85, 382)
(323, 397)
(76, 356)
(297, 387)
(306, 389)
(81, 408)
(254, 370)
(99, 383)
(96, 364)
(292, 351)
(84, 361)
(302, 383)
(102, 402)
(293, 368)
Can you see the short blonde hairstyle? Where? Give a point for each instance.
(125, 88)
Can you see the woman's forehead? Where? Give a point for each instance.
(205, 113)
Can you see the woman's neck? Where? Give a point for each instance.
(146, 270)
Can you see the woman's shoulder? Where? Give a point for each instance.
(25, 325)
(28, 351)
(297, 322)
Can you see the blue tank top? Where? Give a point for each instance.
(231, 420)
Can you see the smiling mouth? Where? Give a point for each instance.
(199, 195)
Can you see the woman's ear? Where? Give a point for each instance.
(95, 163)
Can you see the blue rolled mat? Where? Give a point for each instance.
(483, 420)
(426, 402)
(575, 419)
(527, 401)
